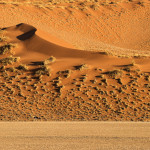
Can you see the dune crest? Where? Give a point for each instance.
(31, 43)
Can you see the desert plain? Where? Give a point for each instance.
(84, 135)
(75, 60)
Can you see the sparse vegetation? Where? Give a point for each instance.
(114, 73)
(9, 60)
(3, 38)
(22, 67)
(43, 70)
(81, 67)
(50, 60)
(6, 48)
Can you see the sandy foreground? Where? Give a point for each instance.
(75, 135)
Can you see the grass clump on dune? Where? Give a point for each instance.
(50, 60)
(3, 38)
(6, 48)
(22, 67)
(11, 69)
(114, 73)
(81, 67)
(43, 70)
(9, 60)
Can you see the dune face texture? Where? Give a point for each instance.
(75, 60)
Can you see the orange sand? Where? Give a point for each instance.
(102, 65)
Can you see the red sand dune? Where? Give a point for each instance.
(34, 45)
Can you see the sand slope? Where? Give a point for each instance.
(32, 42)
(79, 85)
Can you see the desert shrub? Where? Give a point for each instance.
(147, 85)
(11, 69)
(119, 81)
(147, 78)
(22, 67)
(128, 69)
(43, 70)
(9, 60)
(114, 73)
(2, 68)
(141, 3)
(50, 60)
(94, 7)
(104, 81)
(6, 48)
(3, 38)
(81, 67)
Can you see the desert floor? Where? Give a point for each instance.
(74, 135)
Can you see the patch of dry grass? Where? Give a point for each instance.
(6, 48)
(9, 60)
(114, 73)
(52, 98)
(22, 67)
(50, 60)
(81, 4)
(43, 70)
(3, 38)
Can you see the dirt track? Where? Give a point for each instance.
(74, 135)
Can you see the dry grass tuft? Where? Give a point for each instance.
(50, 60)
(22, 67)
(6, 48)
(9, 60)
(114, 73)
(43, 70)
(3, 38)
(81, 67)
